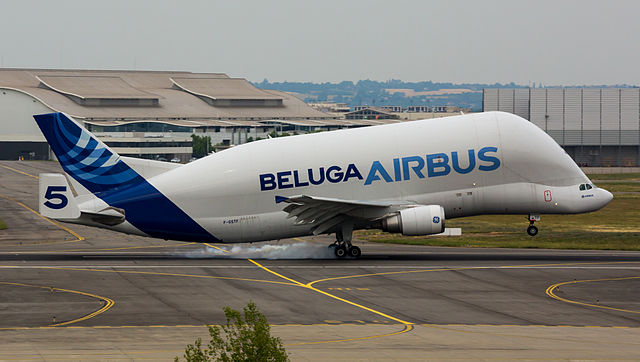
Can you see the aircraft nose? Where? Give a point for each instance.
(605, 196)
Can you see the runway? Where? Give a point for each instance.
(69, 289)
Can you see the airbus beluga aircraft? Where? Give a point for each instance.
(402, 178)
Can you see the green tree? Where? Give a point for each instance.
(199, 145)
(245, 337)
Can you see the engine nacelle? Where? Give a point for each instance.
(420, 220)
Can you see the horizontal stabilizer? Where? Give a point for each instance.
(110, 216)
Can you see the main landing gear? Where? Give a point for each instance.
(533, 230)
(342, 247)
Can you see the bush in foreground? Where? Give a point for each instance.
(245, 337)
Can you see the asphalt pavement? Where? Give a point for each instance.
(73, 292)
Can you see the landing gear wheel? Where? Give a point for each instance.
(532, 230)
(355, 252)
(340, 251)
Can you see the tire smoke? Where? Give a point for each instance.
(300, 250)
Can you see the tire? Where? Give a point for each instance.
(340, 251)
(355, 252)
(532, 230)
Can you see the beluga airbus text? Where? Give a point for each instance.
(406, 177)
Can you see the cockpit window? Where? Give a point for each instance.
(589, 187)
(582, 187)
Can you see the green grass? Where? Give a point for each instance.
(2, 225)
(615, 176)
(620, 186)
(615, 227)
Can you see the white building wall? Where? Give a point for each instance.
(555, 113)
(17, 125)
(505, 100)
(596, 126)
(539, 108)
(16, 118)
(573, 116)
(591, 116)
(629, 116)
(521, 102)
(490, 99)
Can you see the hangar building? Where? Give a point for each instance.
(149, 114)
(596, 126)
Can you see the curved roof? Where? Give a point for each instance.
(229, 88)
(56, 89)
(90, 86)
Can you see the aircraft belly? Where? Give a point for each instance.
(258, 227)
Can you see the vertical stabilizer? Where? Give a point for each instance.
(84, 157)
(103, 173)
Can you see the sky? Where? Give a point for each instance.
(558, 42)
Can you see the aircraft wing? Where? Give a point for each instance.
(325, 213)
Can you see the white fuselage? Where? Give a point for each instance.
(518, 169)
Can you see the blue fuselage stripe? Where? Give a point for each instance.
(149, 210)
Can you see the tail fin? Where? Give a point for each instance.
(55, 199)
(83, 156)
(101, 171)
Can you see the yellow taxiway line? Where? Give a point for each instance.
(408, 326)
(550, 292)
(469, 268)
(76, 235)
(108, 302)
(18, 171)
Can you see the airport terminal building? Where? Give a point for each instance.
(596, 126)
(150, 114)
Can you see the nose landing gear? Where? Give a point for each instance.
(342, 247)
(533, 230)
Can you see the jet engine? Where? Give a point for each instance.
(419, 220)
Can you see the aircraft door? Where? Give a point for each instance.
(465, 203)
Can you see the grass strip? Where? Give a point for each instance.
(615, 227)
(614, 176)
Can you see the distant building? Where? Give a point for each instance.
(371, 113)
(396, 109)
(596, 126)
(147, 114)
(450, 109)
(330, 107)
(418, 109)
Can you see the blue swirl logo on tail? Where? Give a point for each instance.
(84, 157)
(100, 170)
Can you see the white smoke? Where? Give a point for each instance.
(300, 250)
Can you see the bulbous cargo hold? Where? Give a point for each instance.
(406, 177)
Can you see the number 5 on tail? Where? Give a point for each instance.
(55, 198)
